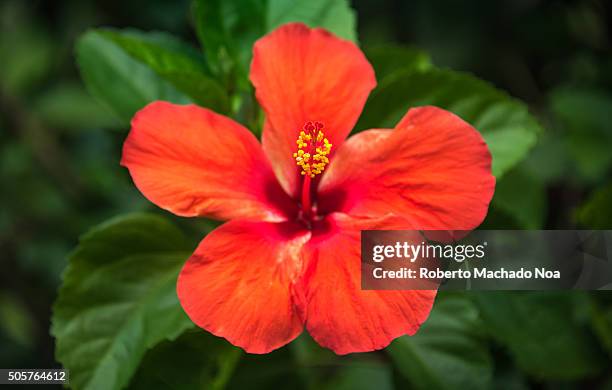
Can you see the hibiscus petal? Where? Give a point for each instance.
(194, 162)
(300, 75)
(238, 284)
(433, 170)
(339, 314)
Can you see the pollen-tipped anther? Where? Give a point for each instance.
(313, 149)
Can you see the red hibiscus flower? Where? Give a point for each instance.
(288, 258)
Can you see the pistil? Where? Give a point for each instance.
(311, 157)
(306, 203)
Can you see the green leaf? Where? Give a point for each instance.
(601, 321)
(585, 115)
(542, 332)
(228, 29)
(174, 61)
(120, 81)
(333, 15)
(161, 51)
(387, 59)
(361, 374)
(596, 213)
(69, 106)
(196, 360)
(448, 352)
(583, 109)
(549, 160)
(522, 197)
(274, 370)
(118, 299)
(505, 123)
(320, 368)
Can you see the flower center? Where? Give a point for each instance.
(311, 157)
(313, 149)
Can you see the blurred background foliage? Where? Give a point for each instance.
(68, 89)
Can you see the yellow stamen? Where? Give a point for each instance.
(313, 149)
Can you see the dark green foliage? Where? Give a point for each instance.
(116, 322)
(118, 298)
